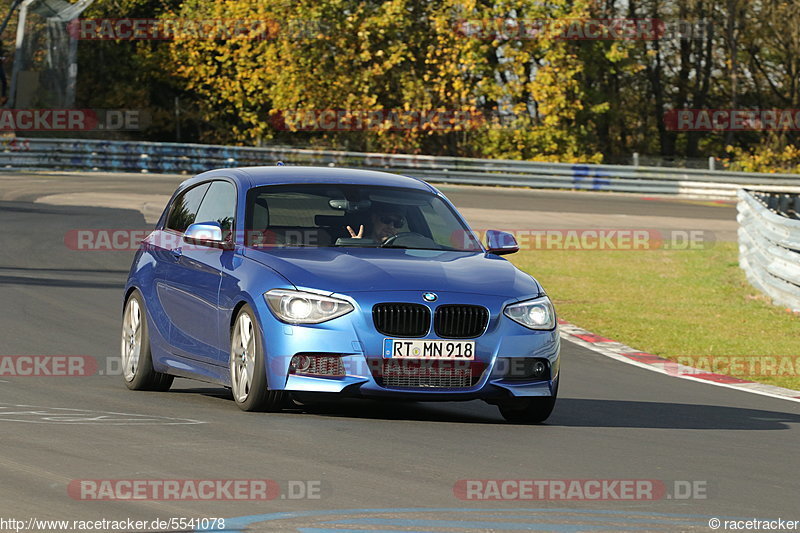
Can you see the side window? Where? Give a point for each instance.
(184, 210)
(219, 205)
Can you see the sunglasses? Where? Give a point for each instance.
(397, 222)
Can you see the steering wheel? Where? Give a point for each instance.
(394, 237)
(412, 235)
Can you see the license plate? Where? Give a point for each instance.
(428, 349)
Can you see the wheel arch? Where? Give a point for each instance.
(245, 299)
(235, 312)
(128, 292)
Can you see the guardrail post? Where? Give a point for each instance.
(772, 202)
(636, 159)
(786, 201)
(712, 162)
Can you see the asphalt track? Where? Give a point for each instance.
(380, 466)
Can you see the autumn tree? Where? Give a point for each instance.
(395, 55)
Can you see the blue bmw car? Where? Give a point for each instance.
(287, 282)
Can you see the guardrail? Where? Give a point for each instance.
(94, 155)
(769, 244)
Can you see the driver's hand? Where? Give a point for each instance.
(353, 234)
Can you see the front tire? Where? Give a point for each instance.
(533, 410)
(137, 359)
(248, 374)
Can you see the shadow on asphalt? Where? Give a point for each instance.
(56, 282)
(569, 412)
(43, 277)
(39, 209)
(660, 415)
(475, 412)
(110, 214)
(69, 270)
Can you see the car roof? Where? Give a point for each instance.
(282, 175)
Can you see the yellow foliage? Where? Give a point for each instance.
(764, 158)
(396, 55)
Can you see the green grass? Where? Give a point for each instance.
(669, 303)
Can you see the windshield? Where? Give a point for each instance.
(353, 216)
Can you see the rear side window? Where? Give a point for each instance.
(219, 205)
(184, 210)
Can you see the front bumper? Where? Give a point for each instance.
(354, 338)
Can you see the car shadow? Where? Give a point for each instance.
(475, 412)
(661, 415)
(569, 412)
(574, 413)
(342, 407)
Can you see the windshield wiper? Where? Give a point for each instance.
(285, 246)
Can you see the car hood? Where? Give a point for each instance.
(346, 270)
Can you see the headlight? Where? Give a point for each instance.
(533, 314)
(297, 307)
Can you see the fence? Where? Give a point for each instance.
(769, 244)
(123, 156)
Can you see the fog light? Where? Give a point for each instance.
(313, 364)
(301, 362)
(524, 368)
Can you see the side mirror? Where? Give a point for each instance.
(206, 234)
(501, 242)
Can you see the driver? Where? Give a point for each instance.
(385, 221)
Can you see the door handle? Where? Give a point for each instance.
(176, 253)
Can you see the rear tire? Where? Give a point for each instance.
(137, 359)
(533, 410)
(248, 374)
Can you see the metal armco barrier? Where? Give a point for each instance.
(123, 156)
(769, 244)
